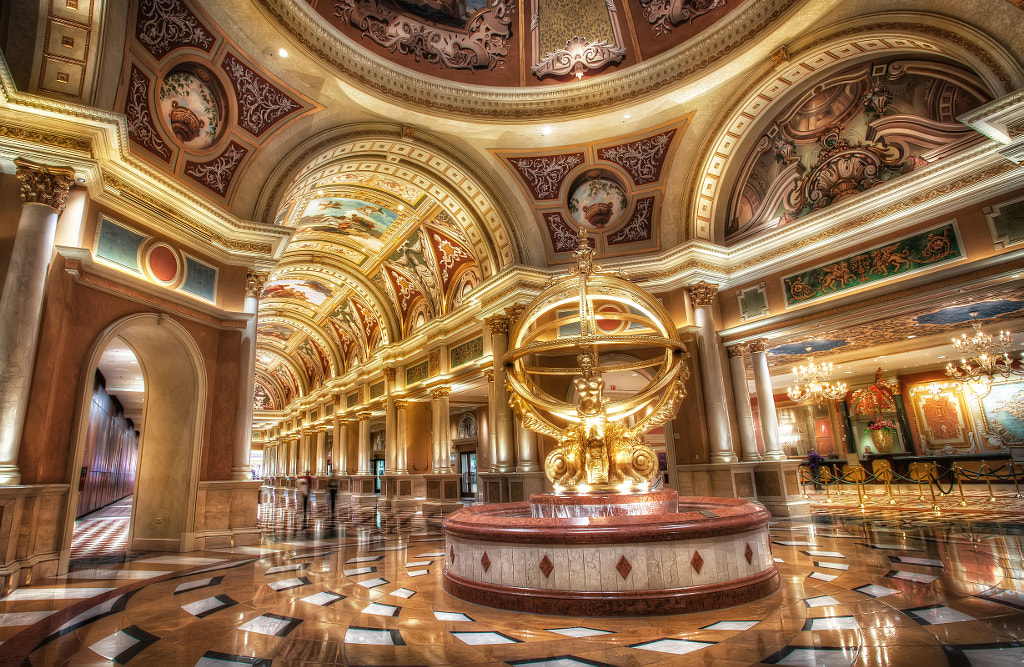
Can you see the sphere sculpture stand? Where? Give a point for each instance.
(604, 544)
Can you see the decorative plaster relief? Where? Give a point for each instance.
(141, 129)
(165, 25)
(260, 104)
(664, 14)
(544, 174)
(1006, 222)
(642, 159)
(217, 174)
(563, 238)
(753, 302)
(640, 225)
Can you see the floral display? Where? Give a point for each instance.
(882, 425)
(874, 400)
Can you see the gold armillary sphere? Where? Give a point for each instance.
(563, 334)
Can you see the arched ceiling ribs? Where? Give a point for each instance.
(310, 328)
(282, 362)
(832, 49)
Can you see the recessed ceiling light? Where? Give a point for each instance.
(282, 53)
(911, 336)
(626, 116)
(545, 130)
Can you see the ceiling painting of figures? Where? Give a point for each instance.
(306, 291)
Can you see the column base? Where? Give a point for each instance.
(724, 458)
(723, 480)
(31, 533)
(778, 488)
(443, 496)
(10, 475)
(241, 473)
(775, 456)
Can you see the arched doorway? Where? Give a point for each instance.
(170, 440)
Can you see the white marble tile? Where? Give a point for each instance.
(1011, 656)
(356, 571)
(432, 554)
(370, 636)
(116, 574)
(821, 576)
(286, 568)
(579, 632)
(822, 601)
(403, 593)
(1003, 595)
(285, 584)
(833, 623)
(824, 554)
(876, 591)
(206, 661)
(99, 610)
(390, 548)
(832, 566)
(191, 585)
(54, 593)
(731, 625)
(322, 599)
(265, 625)
(417, 573)
(913, 560)
(451, 616)
(377, 609)
(419, 563)
(558, 662)
(15, 618)
(676, 646)
(791, 543)
(373, 583)
(914, 576)
(363, 559)
(182, 560)
(113, 645)
(778, 560)
(816, 657)
(483, 638)
(201, 606)
(938, 615)
(258, 551)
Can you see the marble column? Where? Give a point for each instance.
(339, 447)
(501, 413)
(390, 427)
(43, 193)
(741, 395)
(766, 402)
(402, 439)
(492, 454)
(716, 398)
(321, 452)
(440, 457)
(526, 445)
(240, 469)
(364, 444)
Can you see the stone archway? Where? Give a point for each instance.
(170, 442)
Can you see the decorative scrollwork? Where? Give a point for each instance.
(664, 14)
(579, 57)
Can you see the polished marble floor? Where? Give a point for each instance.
(882, 585)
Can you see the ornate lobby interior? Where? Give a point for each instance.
(254, 247)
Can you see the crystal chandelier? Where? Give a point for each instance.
(816, 384)
(982, 356)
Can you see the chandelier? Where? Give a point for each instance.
(983, 357)
(816, 384)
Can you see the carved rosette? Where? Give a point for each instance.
(440, 392)
(44, 185)
(702, 294)
(498, 324)
(255, 282)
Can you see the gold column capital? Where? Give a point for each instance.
(364, 416)
(489, 374)
(441, 392)
(44, 185)
(255, 281)
(498, 324)
(737, 350)
(390, 374)
(702, 293)
(402, 404)
(515, 311)
(759, 345)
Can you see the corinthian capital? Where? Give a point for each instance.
(702, 294)
(498, 324)
(440, 392)
(255, 281)
(389, 374)
(736, 350)
(44, 185)
(759, 345)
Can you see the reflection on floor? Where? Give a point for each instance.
(103, 533)
(873, 587)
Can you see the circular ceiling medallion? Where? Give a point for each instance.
(597, 203)
(191, 104)
(163, 263)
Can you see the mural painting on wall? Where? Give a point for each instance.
(1003, 410)
(908, 255)
(309, 291)
(598, 202)
(356, 221)
(859, 129)
(311, 360)
(262, 399)
(943, 420)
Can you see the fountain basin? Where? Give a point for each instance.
(711, 553)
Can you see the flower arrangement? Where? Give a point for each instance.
(882, 425)
(875, 399)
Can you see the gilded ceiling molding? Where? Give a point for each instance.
(296, 373)
(837, 47)
(255, 281)
(383, 78)
(310, 328)
(62, 141)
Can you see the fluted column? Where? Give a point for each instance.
(492, 454)
(390, 427)
(43, 193)
(364, 444)
(255, 282)
(501, 415)
(402, 441)
(748, 440)
(339, 447)
(716, 399)
(766, 401)
(321, 452)
(440, 458)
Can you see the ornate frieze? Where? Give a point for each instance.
(563, 239)
(498, 324)
(544, 174)
(141, 128)
(389, 375)
(46, 138)
(702, 294)
(642, 159)
(162, 26)
(217, 174)
(639, 226)
(482, 43)
(663, 15)
(417, 373)
(440, 392)
(44, 185)
(579, 57)
(260, 104)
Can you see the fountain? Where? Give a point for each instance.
(605, 543)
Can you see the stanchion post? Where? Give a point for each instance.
(958, 476)
(988, 481)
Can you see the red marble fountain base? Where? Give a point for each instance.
(593, 555)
